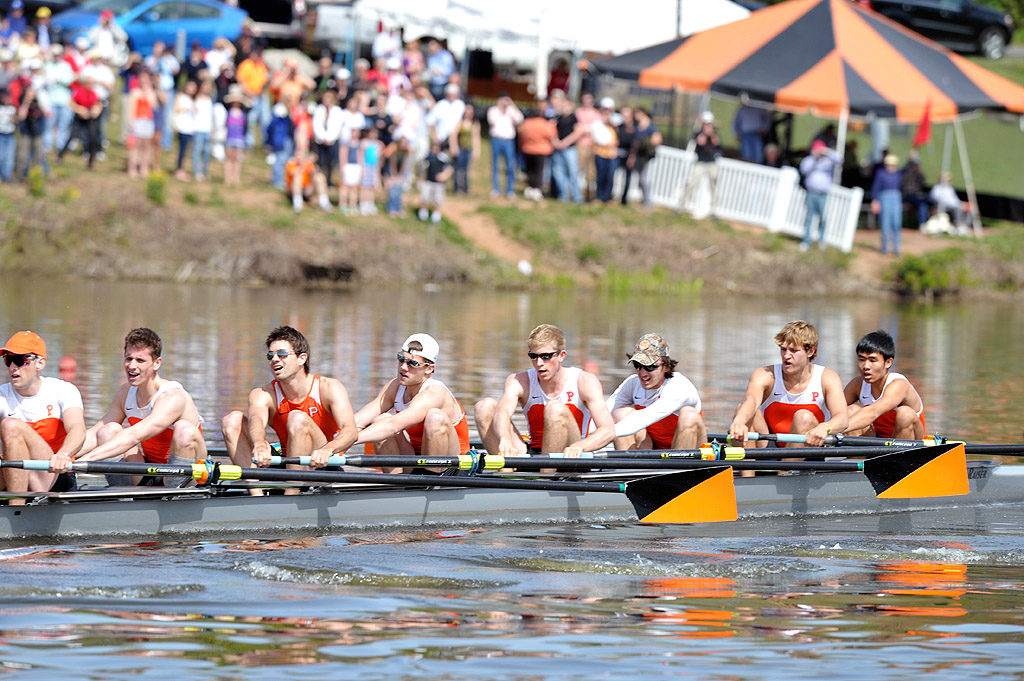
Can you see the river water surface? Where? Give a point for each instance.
(889, 596)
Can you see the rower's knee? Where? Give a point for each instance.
(107, 431)
(298, 421)
(185, 435)
(906, 418)
(231, 424)
(483, 412)
(556, 411)
(435, 423)
(11, 429)
(803, 421)
(621, 413)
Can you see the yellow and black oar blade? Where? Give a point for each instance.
(704, 495)
(937, 471)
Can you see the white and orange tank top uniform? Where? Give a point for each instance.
(885, 424)
(415, 433)
(310, 404)
(660, 407)
(781, 405)
(569, 396)
(156, 449)
(43, 411)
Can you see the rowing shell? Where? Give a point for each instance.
(160, 511)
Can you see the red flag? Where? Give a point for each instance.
(924, 128)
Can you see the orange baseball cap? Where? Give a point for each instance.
(25, 343)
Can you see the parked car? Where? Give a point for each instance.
(32, 6)
(960, 25)
(149, 21)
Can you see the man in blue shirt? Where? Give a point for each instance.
(818, 171)
(440, 67)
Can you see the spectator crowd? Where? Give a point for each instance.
(341, 139)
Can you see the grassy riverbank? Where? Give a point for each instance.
(103, 225)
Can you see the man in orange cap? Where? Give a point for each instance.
(39, 416)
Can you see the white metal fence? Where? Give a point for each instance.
(751, 193)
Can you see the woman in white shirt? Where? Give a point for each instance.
(202, 129)
(327, 128)
(184, 124)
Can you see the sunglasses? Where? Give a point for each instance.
(18, 360)
(646, 367)
(541, 355)
(411, 362)
(278, 353)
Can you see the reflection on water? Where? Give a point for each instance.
(963, 357)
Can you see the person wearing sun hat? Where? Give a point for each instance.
(43, 28)
(39, 416)
(414, 413)
(656, 407)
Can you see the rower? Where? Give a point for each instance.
(882, 402)
(311, 414)
(40, 417)
(794, 396)
(414, 413)
(559, 403)
(150, 419)
(656, 408)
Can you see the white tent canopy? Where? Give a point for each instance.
(517, 31)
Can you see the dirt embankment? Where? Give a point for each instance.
(105, 226)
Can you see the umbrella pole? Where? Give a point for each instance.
(965, 165)
(844, 122)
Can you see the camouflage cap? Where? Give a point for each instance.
(650, 349)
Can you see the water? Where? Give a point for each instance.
(892, 596)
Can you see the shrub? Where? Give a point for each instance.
(931, 274)
(36, 181)
(156, 187)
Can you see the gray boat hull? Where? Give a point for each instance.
(161, 512)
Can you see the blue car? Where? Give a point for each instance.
(149, 21)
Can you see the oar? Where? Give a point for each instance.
(697, 496)
(936, 471)
(862, 441)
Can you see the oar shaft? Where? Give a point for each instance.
(536, 463)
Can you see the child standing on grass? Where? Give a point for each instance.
(280, 136)
(234, 142)
(351, 174)
(141, 108)
(371, 151)
(398, 166)
(432, 190)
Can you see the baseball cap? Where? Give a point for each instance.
(818, 144)
(82, 43)
(106, 14)
(25, 343)
(342, 74)
(607, 103)
(891, 160)
(17, 4)
(430, 347)
(43, 12)
(650, 349)
(394, 63)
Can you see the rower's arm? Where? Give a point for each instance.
(74, 426)
(835, 401)
(593, 398)
(757, 388)
(893, 396)
(338, 403)
(674, 396)
(511, 398)
(167, 409)
(393, 424)
(259, 411)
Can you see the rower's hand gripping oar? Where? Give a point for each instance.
(697, 496)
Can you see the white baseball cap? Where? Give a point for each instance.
(707, 117)
(430, 348)
(607, 103)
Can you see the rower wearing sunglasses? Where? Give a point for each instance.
(311, 414)
(656, 408)
(150, 419)
(564, 406)
(39, 416)
(414, 413)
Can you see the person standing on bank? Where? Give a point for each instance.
(818, 171)
(708, 149)
(887, 203)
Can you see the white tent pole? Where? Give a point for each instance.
(947, 150)
(965, 165)
(844, 121)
